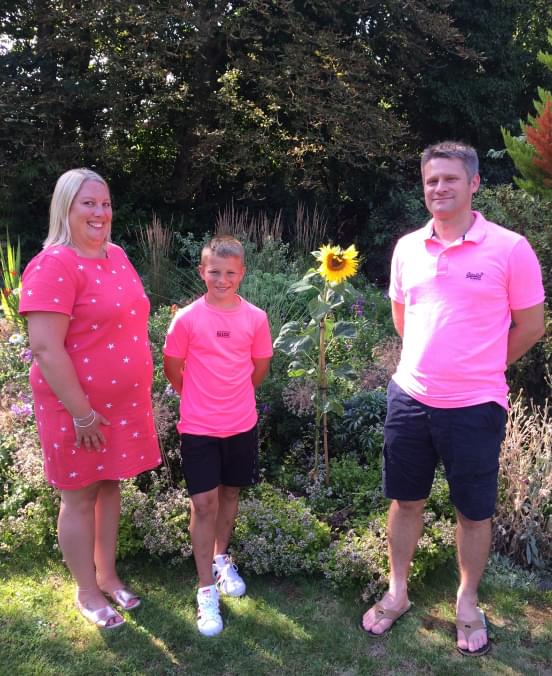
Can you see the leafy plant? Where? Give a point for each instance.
(278, 533)
(360, 429)
(11, 277)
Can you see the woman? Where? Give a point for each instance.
(91, 380)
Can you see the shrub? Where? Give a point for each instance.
(269, 291)
(32, 525)
(15, 358)
(531, 217)
(161, 518)
(361, 554)
(360, 430)
(278, 533)
(353, 494)
(523, 520)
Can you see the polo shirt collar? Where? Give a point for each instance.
(475, 234)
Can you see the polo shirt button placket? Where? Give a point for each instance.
(442, 265)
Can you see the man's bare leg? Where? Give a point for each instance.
(473, 542)
(404, 527)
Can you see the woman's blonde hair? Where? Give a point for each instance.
(67, 186)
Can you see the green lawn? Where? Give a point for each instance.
(283, 626)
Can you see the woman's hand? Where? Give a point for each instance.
(88, 431)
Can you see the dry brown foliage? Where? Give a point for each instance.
(523, 522)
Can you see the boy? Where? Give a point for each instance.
(217, 350)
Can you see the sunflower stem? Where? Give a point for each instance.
(323, 387)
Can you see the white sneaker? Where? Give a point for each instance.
(209, 621)
(227, 579)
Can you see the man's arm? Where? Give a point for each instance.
(173, 367)
(261, 366)
(397, 310)
(527, 328)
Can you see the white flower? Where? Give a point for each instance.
(16, 339)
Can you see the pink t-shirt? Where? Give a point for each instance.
(218, 397)
(458, 301)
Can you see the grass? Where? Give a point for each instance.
(283, 626)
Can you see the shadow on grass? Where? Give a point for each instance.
(283, 626)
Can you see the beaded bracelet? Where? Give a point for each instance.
(77, 421)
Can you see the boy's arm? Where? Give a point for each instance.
(173, 367)
(261, 366)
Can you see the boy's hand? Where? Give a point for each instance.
(261, 368)
(173, 367)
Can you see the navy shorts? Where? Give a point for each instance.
(208, 462)
(466, 439)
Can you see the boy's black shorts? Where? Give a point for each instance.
(466, 439)
(208, 462)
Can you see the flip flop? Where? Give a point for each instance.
(385, 614)
(101, 616)
(468, 628)
(124, 598)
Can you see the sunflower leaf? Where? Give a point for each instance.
(318, 309)
(344, 329)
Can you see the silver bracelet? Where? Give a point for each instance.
(79, 426)
(84, 418)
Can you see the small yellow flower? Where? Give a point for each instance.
(336, 264)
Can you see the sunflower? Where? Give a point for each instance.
(336, 264)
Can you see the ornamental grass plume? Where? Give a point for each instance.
(337, 264)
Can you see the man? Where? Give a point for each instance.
(467, 299)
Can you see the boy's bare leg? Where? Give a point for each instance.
(404, 527)
(202, 531)
(473, 541)
(228, 497)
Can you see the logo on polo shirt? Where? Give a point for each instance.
(223, 334)
(474, 275)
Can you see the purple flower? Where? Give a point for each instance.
(26, 355)
(22, 409)
(358, 307)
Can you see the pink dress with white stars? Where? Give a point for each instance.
(107, 341)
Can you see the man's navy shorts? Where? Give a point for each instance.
(208, 462)
(466, 439)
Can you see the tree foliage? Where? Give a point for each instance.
(532, 152)
(185, 106)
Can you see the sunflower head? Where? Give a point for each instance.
(336, 264)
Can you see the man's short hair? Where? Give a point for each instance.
(453, 150)
(224, 246)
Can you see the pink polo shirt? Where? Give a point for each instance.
(458, 301)
(218, 397)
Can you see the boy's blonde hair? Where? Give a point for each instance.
(224, 246)
(67, 187)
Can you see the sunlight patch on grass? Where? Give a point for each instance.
(258, 612)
